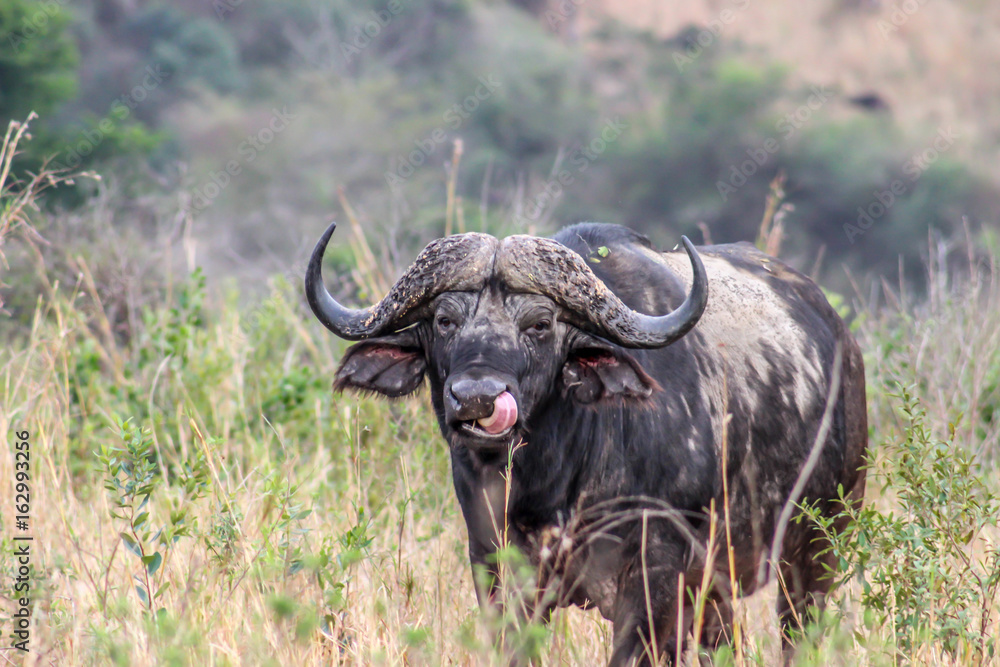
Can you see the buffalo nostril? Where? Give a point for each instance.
(477, 390)
(473, 399)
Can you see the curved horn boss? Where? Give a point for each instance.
(547, 267)
(456, 263)
(526, 264)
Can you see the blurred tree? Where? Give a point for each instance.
(718, 127)
(694, 126)
(38, 58)
(39, 71)
(540, 99)
(272, 33)
(191, 49)
(621, 125)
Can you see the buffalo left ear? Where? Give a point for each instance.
(599, 373)
(390, 365)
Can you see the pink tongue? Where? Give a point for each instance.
(503, 417)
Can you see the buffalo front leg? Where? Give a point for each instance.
(645, 625)
(717, 623)
(486, 579)
(716, 629)
(509, 604)
(802, 588)
(806, 572)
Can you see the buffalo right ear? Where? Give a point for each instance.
(597, 372)
(390, 365)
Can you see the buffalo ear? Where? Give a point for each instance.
(603, 373)
(391, 365)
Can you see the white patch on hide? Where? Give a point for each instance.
(744, 318)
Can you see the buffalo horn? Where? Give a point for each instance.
(544, 266)
(458, 263)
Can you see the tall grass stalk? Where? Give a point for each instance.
(322, 529)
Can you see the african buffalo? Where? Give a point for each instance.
(619, 416)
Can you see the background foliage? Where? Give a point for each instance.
(372, 89)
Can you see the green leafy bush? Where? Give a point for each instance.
(38, 59)
(192, 50)
(926, 567)
(131, 478)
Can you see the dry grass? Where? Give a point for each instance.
(414, 579)
(19, 196)
(325, 530)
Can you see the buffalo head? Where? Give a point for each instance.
(498, 328)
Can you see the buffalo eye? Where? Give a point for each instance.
(445, 324)
(539, 327)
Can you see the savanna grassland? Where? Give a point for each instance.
(197, 494)
(200, 497)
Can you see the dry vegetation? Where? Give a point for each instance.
(200, 497)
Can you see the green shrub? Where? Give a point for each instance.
(38, 59)
(926, 566)
(192, 50)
